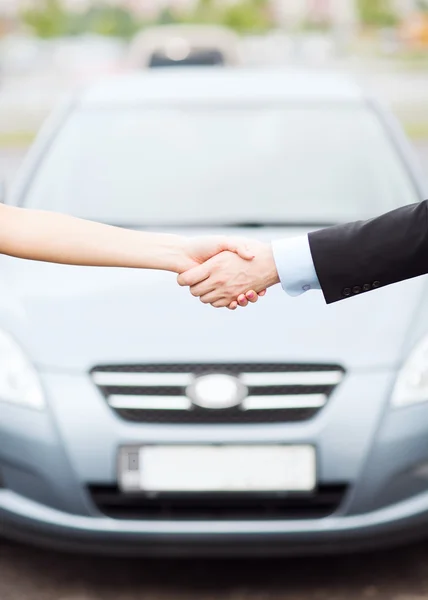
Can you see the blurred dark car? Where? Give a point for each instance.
(183, 45)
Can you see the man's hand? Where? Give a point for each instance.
(225, 277)
(198, 250)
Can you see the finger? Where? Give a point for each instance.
(193, 276)
(212, 297)
(242, 300)
(260, 294)
(219, 304)
(240, 247)
(233, 305)
(252, 296)
(202, 288)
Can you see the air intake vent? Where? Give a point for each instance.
(112, 502)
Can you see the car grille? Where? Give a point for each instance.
(274, 392)
(118, 505)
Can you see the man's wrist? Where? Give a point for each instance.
(295, 266)
(272, 276)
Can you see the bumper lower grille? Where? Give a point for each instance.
(272, 392)
(115, 504)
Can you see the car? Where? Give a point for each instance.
(183, 46)
(137, 420)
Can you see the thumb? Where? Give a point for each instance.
(194, 276)
(241, 247)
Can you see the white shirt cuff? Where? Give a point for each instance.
(295, 266)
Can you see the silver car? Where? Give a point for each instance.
(135, 419)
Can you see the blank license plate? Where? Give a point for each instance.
(226, 468)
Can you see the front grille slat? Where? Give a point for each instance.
(324, 501)
(292, 378)
(149, 402)
(284, 402)
(121, 379)
(276, 392)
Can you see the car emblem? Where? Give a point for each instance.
(217, 391)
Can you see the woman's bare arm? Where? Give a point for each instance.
(58, 238)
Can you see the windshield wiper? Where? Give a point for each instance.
(271, 224)
(224, 224)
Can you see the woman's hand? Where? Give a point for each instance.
(224, 278)
(200, 249)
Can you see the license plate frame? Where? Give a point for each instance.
(184, 468)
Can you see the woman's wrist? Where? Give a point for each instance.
(175, 257)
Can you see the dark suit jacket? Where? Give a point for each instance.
(358, 257)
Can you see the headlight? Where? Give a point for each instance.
(411, 386)
(19, 382)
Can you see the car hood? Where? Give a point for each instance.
(73, 318)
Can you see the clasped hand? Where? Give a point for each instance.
(238, 272)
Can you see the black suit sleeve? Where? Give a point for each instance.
(357, 257)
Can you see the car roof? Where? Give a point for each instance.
(220, 85)
(199, 33)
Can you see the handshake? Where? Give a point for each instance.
(226, 272)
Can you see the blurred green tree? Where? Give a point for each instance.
(48, 19)
(167, 17)
(247, 16)
(205, 12)
(377, 13)
(243, 16)
(109, 21)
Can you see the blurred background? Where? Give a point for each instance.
(50, 47)
(47, 47)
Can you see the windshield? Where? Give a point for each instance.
(184, 166)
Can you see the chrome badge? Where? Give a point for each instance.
(217, 391)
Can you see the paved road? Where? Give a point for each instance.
(28, 574)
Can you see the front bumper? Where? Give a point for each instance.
(28, 521)
(48, 459)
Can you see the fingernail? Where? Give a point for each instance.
(251, 295)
